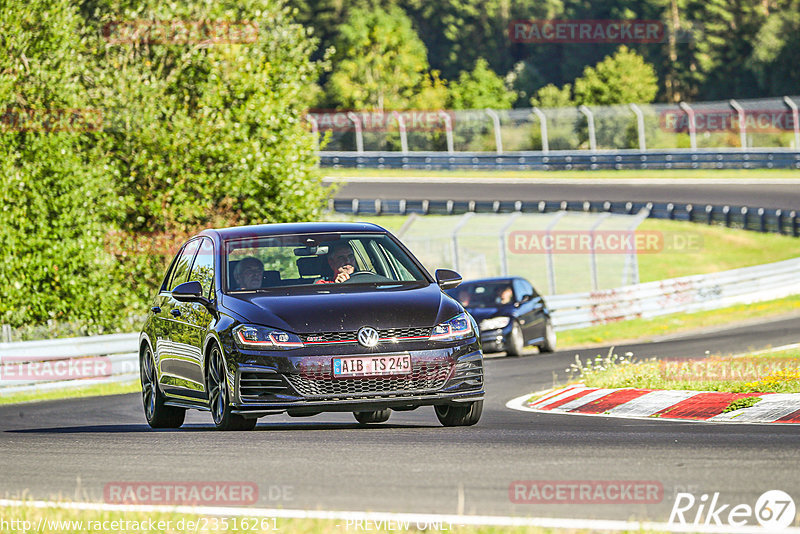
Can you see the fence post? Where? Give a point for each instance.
(639, 126)
(745, 217)
(401, 124)
(314, 130)
(742, 124)
(359, 136)
(503, 255)
(543, 129)
(551, 271)
(692, 124)
(448, 130)
(709, 214)
(461, 223)
(762, 220)
(795, 224)
(498, 141)
(779, 220)
(593, 254)
(726, 210)
(6, 333)
(590, 122)
(795, 120)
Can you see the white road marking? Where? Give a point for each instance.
(582, 401)
(420, 519)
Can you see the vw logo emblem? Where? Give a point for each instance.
(368, 336)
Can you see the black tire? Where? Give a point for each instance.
(378, 416)
(516, 343)
(549, 343)
(158, 415)
(467, 415)
(219, 396)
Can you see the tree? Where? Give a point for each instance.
(551, 96)
(379, 63)
(57, 203)
(480, 88)
(618, 79)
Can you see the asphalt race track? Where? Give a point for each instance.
(73, 448)
(765, 195)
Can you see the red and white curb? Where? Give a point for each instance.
(661, 404)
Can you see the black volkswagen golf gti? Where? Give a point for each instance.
(302, 319)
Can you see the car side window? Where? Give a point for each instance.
(203, 267)
(180, 271)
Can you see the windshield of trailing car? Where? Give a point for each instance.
(484, 295)
(264, 263)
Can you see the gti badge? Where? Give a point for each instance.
(368, 336)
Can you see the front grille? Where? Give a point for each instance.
(258, 385)
(425, 376)
(352, 337)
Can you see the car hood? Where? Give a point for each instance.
(302, 313)
(484, 313)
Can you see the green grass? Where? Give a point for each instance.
(718, 249)
(639, 329)
(712, 249)
(761, 372)
(93, 521)
(70, 393)
(726, 174)
(739, 404)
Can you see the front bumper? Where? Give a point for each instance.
(495, 340)
(305, 386)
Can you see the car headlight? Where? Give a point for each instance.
(493, 323)
(265, 338)
(459, 327)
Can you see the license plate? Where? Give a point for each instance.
(372, 365)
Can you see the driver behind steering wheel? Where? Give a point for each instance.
(342, 262)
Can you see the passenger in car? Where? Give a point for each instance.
(248, 273)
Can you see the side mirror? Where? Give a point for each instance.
(188, 292)
(526, 298)
(447, 279)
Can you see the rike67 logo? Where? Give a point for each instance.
(774, 510)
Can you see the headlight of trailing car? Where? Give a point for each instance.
(459, 327)
(493, 323)
(265, 338)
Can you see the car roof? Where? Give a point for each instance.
(258, 230)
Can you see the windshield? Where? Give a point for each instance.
(264, 263)
(484, 295)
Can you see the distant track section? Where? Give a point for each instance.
(774, 158)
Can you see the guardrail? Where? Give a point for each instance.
(686, 294)
(70, 362)
(745, 217)
(774, 158)
(691, 293)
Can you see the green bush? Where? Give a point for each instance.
(193, 135)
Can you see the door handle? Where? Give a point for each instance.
(175, 312)
(155, 309)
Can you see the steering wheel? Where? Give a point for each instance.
(361, 272)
